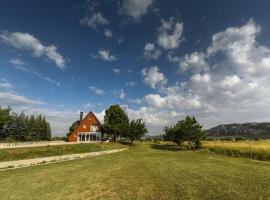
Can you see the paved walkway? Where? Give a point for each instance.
(52, 159)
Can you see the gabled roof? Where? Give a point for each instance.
(90, 113)
(94, 116)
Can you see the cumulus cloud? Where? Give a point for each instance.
(227, 82)
(153, 77)
(195, 61)
(135, 8)
(200, 78)
(96, 90)
(150, 52)
(95, 20)
(104, 54)
(27, 42)
(170, 33)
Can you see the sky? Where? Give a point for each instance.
(159, 60)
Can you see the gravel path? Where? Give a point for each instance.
(52, 159)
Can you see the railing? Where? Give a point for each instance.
(83, 133)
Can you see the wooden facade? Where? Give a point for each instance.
(88, 129)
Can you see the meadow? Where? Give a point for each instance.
(54, 150)
(259, 150)
(145, 171)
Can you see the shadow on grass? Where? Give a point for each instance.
(168, 147)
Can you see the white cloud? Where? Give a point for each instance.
(131, 83)
(150, 52)
(46, 78)
(119, 93)
(228, 82)
(198, 78)
(104, 54)
(116, 70)
(170, 34)
(95, 20)
(5, 84)
(108, 33)
(135, 8)
(96, 90)
(17, 61)
(135, 101)
(10, 99)
(28, 42)
(195, 61)
(153, 77)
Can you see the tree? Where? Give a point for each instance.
(116, 122)
(174, 134)
(5, 117)
(137, 130)
(72, 127)
(188, 130)
(20, 127)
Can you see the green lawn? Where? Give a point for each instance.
(54, 150)
(143, 172)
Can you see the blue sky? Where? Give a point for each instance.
(160, 60)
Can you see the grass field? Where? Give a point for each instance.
(54, 150)
(259, 150)
(143, 172)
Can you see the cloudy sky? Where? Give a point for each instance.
(160, 60)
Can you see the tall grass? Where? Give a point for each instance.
(259, 150)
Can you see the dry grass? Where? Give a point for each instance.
(259, 150)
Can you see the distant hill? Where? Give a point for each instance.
(246, 130)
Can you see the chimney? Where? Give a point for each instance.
(81, 116)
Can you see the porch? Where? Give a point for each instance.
(88, 136)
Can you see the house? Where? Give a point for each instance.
(87, 129)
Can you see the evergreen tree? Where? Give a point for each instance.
(5, 117)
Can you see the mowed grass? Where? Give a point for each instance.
(259, 150)
(143, 172)
(54, 150)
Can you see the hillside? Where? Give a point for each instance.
(245, 130)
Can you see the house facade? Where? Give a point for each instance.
(87, 129)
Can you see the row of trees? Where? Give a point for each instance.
(188, 130)
(20, 127)
(117, 125)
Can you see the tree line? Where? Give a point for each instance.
(118, 126)
(21, 127)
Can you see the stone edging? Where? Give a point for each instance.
(52, 159)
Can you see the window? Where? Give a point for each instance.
(90, 118)
(84, 126)
(94, 128)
